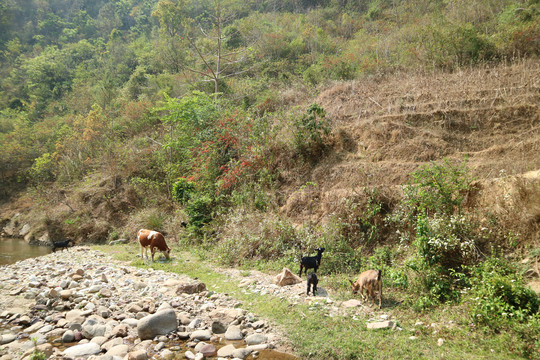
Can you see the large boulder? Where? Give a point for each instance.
(218, 327)
(75, 316)
(208, 350)
(226, 351)
(68, 336)
(25, 230)
(119, 350)
(92, 328)
(256, 339)
(201, 335)
(82, 350)
(7, 338)
(192, 287)
(286, 277)
(234, 333)
(160, 323)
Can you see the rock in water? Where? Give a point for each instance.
(160, 323)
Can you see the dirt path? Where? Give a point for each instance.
(257, 282)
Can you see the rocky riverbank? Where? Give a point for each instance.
(82, 304)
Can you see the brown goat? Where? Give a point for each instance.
(153, 240)
(371, 280)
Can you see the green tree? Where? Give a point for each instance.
(189, 121)
(108, 19)
(206, 37)
(173, 24)
(4, 23)
(47, 78)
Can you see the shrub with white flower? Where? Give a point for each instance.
(445, 240)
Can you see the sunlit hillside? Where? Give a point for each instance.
(401, 135)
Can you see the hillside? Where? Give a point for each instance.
(386, 127)
(383, 128)
(395, 135)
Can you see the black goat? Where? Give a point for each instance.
(312, 281)
(61, 244)
(311, 262)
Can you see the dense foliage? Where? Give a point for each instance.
(89, 70)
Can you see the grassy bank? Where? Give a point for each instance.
(315, 333)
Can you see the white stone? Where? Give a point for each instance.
(381, 325)
(226, 351)
(82, 350)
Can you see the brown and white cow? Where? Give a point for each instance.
(153, 240)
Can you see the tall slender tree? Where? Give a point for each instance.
(212, 53)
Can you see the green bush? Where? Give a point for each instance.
(362, 217)
(313, 75)
(311, 131)
(500, 296)
(200, 210)
(447, 44)
(438, 188)
(383, 258)
(501, 302)
(248, 238)
(342, 67)
(446, 241)
(340, 256)
(433, 283)
(155, 221)
(38, 355)
(250, 195)
(148, 189)
(444, 246)
(42, 169)
(182, 190)
(423, 303)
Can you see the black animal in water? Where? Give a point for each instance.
(312, 282)
(62, 244)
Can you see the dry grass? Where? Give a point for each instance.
(514, 201)
(386, 127)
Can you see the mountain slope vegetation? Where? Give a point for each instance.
(401, 135)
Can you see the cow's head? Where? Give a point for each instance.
(167, 253)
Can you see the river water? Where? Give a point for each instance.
(13, 250)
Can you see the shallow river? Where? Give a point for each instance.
(13, 250)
